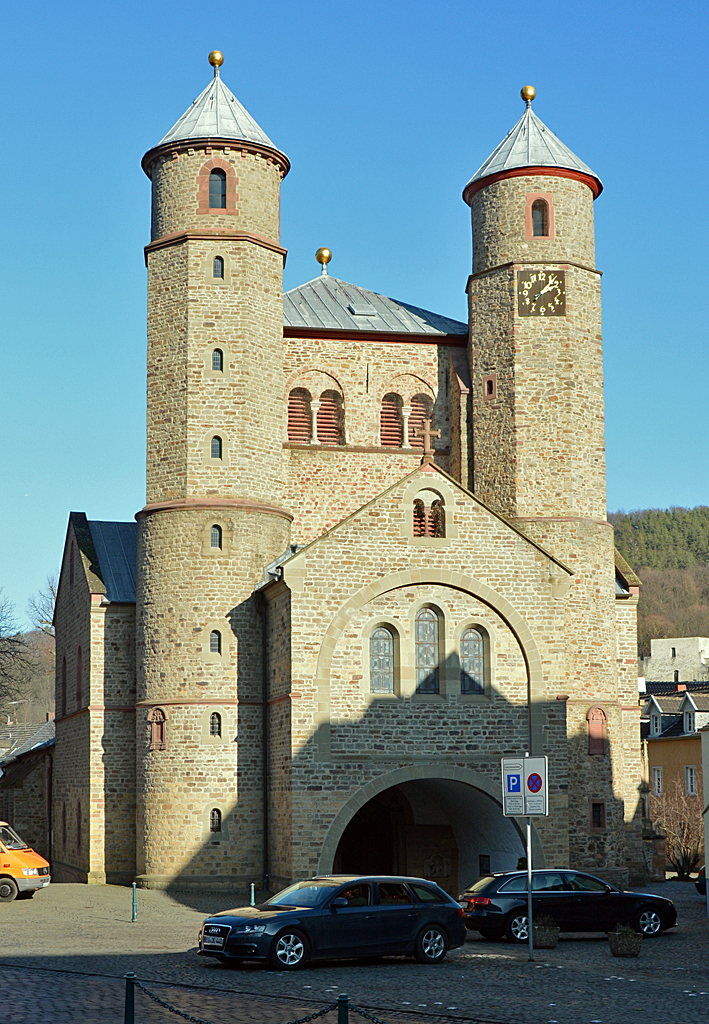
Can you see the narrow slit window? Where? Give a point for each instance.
(540, 218)
(62, 704)
(215, 724)
(598, 815)
(215, 642)
(216, 448)
(79, 677)
(217, 190)
(472, 662)
(427, 651)
(218, 267)
(381, 661)
(215, 820)
(158, 729)
(216, 536)
(63, 826)
(218, 361)
(78, 828)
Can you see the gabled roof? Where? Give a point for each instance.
(699, 701)
(665, 705)
(42, 737)
(327, 303)
(115, 545)
(217, 114)
(531, 144)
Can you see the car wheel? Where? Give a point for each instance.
(648, 922)
(516, 928)
(289, 951)
(431, 945)
(8, 890)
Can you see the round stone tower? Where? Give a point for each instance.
(213, 517)
(536, 365)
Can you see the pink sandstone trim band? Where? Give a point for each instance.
(232, 145)
(533, 172)
(216, 504)
(534, 263)
(178, 237)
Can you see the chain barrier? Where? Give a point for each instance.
(367, 1016)
(199, 1020)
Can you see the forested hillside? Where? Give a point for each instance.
(669, 550)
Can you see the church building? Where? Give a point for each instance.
(373, 559)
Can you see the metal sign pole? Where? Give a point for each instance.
(530, 926)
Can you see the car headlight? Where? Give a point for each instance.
(250, 929)
(30, 871)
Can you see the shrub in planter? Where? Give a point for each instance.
(625, 941)
(546, 932)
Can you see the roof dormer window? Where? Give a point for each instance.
(655, 724)
(689, 722)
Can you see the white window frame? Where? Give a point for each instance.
(689, 721)
(657, 781)
(655, 724)
(690, 780)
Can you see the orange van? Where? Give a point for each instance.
(22, 871)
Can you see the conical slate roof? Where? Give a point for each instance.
(531, 144)
(217, 114)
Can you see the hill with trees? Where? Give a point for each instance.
(669, 550)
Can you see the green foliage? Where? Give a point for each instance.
(669, 550)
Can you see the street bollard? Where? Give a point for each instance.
(253, 895)
(343, 1004)
(134, 916)
(129, 1014)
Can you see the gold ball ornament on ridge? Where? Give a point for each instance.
(528, 92)
(216, 58)
(323, 255)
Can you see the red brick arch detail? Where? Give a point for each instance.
(203, 186)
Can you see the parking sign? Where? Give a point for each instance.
(524, 786)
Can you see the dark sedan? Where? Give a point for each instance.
(336, 916)
(496, 905)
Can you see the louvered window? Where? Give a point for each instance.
(540, 218)
(330, 419)
(429, 520)
(216, 448)
(391, 428)
(217, 360)
(217, 190)
(419, 518)
(300, 418)
(381, 661)
(421, 409)
(427, 651)
(472, 662)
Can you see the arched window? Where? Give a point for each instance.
(419, 518)
(215, 642)
(215, 536)
(330, 420)
(217, 190)
(78, 828)
(427, 651)
(429, 516)
(391, 421)
(62, 695)
(300, 417)
(158, 729)
(218, 267)
(472, 662)
(215, 724)
(215, 820)
(596, 719)
(79, 677)
(218, 361)
(216, 448)
(540, 218)
(381, 661)
(421, 409)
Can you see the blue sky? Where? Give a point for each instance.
(385, 109)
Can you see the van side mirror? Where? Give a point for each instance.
(339, 902)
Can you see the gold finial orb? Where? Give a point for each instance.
(216, 58)
(323, 255)
(528, 93)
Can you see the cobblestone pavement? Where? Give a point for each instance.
(65, 952)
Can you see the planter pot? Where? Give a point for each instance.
(625, 943)
(545, 938)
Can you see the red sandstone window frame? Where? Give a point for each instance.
(215, 164)
(532, 197)
(597, 721)
(489, 387)
(157, 717)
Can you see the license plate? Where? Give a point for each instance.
(43, 885)
(214, 937)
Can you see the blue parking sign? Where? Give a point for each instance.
(514, 783)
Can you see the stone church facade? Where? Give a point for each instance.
(373, 559)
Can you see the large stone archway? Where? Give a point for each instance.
(428, 820)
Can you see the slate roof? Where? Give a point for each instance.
(44, 736)
(327, 303)
(700, 701)
(216, 113)
(658, 688)
(668, 705)
(531, 144)
(115, 545)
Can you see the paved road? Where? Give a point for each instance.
(65, 952)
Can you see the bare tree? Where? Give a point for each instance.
(679, 818)
(41, 605)
(13, 651)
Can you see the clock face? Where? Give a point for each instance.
(541, 293)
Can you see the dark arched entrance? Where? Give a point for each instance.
(431, 828)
